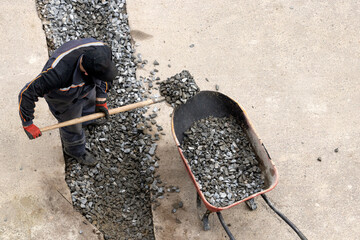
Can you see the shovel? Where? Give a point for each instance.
(99, 115)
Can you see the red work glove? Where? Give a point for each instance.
(101, 106)
(32, 131)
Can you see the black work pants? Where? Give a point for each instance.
(73, 137)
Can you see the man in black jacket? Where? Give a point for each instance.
(74, 83)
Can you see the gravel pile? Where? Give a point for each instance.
(115, 195)
(222, 160)
(179, 88)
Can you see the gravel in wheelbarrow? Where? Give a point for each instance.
(225, 158)
(222, 160)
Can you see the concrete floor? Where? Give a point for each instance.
(34, 198)
(294, 66)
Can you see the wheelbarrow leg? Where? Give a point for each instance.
(251, 204)
(198, 200)
(205, 220)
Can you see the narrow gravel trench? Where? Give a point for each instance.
(115, 195)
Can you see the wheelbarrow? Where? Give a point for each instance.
(210, 103)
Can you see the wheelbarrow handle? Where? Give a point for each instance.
(227, 230)
(298, 232)
(99, 115)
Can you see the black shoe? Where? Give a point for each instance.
(86, 159)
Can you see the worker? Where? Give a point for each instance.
(74, 83)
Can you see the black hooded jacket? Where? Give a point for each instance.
(61, 80)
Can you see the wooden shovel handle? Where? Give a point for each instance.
(99, 115)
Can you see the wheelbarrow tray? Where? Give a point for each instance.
(210, 103)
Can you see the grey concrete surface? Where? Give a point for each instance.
(34, 198)
(294, 66)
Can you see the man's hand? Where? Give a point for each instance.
(101, 106)
(32, 131)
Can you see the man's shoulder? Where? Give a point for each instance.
(71, 51)
(75, 44)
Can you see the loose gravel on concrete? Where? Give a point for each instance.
(115, 195)
(222, 160)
